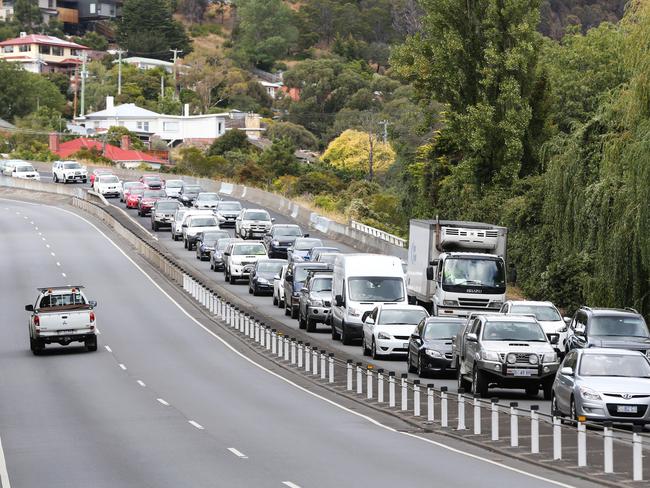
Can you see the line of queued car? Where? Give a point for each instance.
(593, 365)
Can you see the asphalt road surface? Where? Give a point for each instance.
(164, 403)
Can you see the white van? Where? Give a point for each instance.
(359, 283)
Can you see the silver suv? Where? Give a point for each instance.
(507, 351)
(162, 213)
(315, 300)
(252, 223)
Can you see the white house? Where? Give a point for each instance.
(273, 89)
(172, 129)
(148, 63)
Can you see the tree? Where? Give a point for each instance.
(28, 14)
(279, 160)
(148, 29)
(352, 150)
(114, 137)
(232, 140)
(297, 134)
(193, 10)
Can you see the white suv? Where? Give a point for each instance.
(108, 185)
(69, 172)
(240, 258)
(253, 222)
(193, 224)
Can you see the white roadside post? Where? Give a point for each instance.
(461, 409)
(314, 358)
(444, 418)
(391, 389)
(274, 345)
(299, 352)
(608, 448)
(307, 357)
(293, 351)
(534, 429)
(416, 398)
(557, 439)
(405, 398)
(323, 365)
(430, 405)
(287, 348)
(369, 382)
(359, 380)
(637, 453)
(348, 385)
(380, 385)
(514, 425)
(582, 442)
(331, 367)
(495, 418)
(477, 415)
(279, 342)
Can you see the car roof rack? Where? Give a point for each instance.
(630, 309)
(61, 287)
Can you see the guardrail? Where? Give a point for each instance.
(574, 448)
(380, 234)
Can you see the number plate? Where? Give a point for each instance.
(626, 408)
(66, 331)
(521, 372)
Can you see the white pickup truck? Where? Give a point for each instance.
(62, 315)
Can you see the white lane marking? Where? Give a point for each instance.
(238, 453)
(290, 484)
(64, 275)
(108, 348)
(122, 366)
(53, 254)
(40, 233)
(32, 222)
(36, 228)
(25, 217)
(4, 475)
(295, 385)
(195, 424)
(141, 383)
(162, 401)
(98, 331)
(47, 245)
(43, 238)
(58, 264)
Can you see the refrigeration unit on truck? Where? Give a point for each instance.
(455, 268)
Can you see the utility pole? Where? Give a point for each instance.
(84, 73)
(76, 90)
(119, 71)
(176, 53)
(385, 124)
(162, 86)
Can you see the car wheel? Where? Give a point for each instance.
(91, 344)
(532, 390)
(56, 178)
(345, 335)
(311, 325)
(422, 372)
(211, 266)
(275, 300)
(373, 350)
(555, 412)
(287, 311)
(547, 388)
(479, 384)
(38, 347)
(364, 347)
(233, 280)
(301, 321)
(280, 303)
(573, 413)
(256, 292)
(250, 290)
(335, 335)
(294, 313)
(462, 383)
(409, 363)
(185, 243)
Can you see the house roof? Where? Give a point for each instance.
(124, 110)
(114, 153)
(6, 125)
(42, 39)
(151, 61)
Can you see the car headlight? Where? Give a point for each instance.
(589, 394)
(263, 281)
(316, 303)
(354, 312)
(550, 358)
(383, 335)
(433, 353)
(511, 358)
(533, 359)
(275, 243)
(450, 303)
(490, 355)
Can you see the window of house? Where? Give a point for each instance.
(50, 3)
(93, 8)
(74, 52)
(144, 126)
(8, 49)
(24, 48)
(44, 49)
(170, 126)
(57, 51)
(219, 125)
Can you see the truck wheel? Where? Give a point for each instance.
(294, 313)
(345, 335)
(56, 178)
(479, 385)
(311, 325)
(463, 383)
(287, 311)
(532, 390)
(91, 344)
(275, 300)
(232, 279)
(36, 346)
(302, 323)
(335, 334)
(547, 386)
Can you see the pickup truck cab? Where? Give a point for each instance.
(62, 315)
(507, 351)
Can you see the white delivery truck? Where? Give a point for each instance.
(455, 268)
(359, 283)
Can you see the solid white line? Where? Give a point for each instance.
(288, 381)
(4, 475)
(196, 424)
(122, 366)
(160, 400)
(141, 383)
(290, 484)
(32, 222)
(108, 348)
(238, 453)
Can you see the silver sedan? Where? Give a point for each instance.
(603, 385)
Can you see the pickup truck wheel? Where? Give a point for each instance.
(225, 274)
(280, 303)
(532, 390)
(345, 335)
(91, 344)
(185, 243)
(311, 325)
(275, 300)
(36, 346)
(479, 385)
(56, 178)
(232, 279)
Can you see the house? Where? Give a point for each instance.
(48, 9)
(123, 155)
(42, 54)
(173, 129)
(272, 89)
(148, 63)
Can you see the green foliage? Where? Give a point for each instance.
(317, 182)
(279, 159)
(93, 155)
(93, 40)
(232, 140)
(193, 161)
(298, 135)
(28, 14)
(558, 16)
(43, 119)
(114, 137)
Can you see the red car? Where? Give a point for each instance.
(134, 196)
(153, 182)
(127, 186)
(98, 172)
(148, 199)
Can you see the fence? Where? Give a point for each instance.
(380, 234)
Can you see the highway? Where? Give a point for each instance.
(164, 401)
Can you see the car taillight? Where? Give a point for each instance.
(92, 316)
(37, 321)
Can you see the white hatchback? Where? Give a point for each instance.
(388, 327)
(24, 171)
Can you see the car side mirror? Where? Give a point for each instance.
(276, 277)
(472, 337)
(29, 308)
(566, 371)
(92, 303)
(567, 320)
(555, 339)
(272, 219)
(370, 321)
(415, 336)
(365, 315)
(338, 299)
(429, 273)
(579, 331)
(305, 235)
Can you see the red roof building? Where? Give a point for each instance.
(119, 155)
(42, 54)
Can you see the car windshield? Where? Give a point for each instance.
(256, 216)
(321, 284)
(72, 166)
(174, 183)
(24, 169)
(626, 365)
(376, 289)
(191, 189)
(287, 231)
(214, 235)
(179, 214)
(300, 272)
(109, 179)
(208, 196)
(249, 250)
(203, 222)
(222, 244)
(209, 241)
(513, 331)
(167, 206)
(137, 191)
(441, 330)
(151, 179)
(229, 206)
(618, 326)
(154, 194)
(131, 184)
(270, 266)
(544, 313)
(473, 272)
(306, 244)
(397, 316)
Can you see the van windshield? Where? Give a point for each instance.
(376, 289)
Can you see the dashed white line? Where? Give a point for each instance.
(122, 366)
(64, 275)
(36, 228)
(98, 331)
(195, 424)
(47, 245)
(25, 217)
(108, 348)
(238, 453)
(43, 239)
(163, 402)
(58, 264)
(31, 222)
(53, 254)
(141, 383)
(290, 484)
(40, 233)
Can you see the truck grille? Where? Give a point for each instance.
(473, 302)
(258, 227)
(327, 303)
(522, 357)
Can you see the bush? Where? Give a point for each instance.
(326, 202)
(316, 182)
(93, 155)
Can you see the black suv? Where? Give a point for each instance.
(188, 194)
(294, 280)
(280, 237)
(607, 327)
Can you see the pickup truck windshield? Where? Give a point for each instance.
(72, 166)
(376, 289)
(167, 206)
(229, 206)
(618, 326)
(306, 244)
(397, 316)
(477, 273)
(174, 183)
(249, 250)
(136, 191)
(541, 312)
(222, 244)
(286, 231)
(61, 300)
(441, 330)
(109, 179)
(203, 222)
(256, 216)
(513, 331)
(614, 365)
